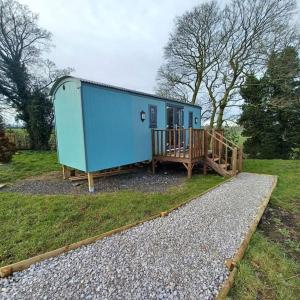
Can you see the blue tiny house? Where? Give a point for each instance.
(100, 126)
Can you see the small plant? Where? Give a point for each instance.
(7, 149)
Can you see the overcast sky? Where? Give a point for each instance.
(111, 41)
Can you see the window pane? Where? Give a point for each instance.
(152, 116)
(190, 119)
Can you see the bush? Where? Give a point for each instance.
(7, 149)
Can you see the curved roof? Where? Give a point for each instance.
(58, 81)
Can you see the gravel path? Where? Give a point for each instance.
(141, 180)
(180, 256)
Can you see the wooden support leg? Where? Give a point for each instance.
(153, 166)
(190, 169)
(91, 183)
(204, 167)
(65, 172)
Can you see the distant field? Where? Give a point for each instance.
(20, 138)
(18, 131)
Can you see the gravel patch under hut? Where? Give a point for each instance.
(180, 256)
(141, 180)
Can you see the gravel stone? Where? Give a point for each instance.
(180, 256)
(142, 180)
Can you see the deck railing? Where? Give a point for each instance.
(180, 143)
(189, 146)
(237, 148)
(224, 152)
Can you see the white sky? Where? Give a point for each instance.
(115, 42)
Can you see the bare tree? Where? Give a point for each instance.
(250, 29)
(190, 52)
(23, 71)
(212, 50)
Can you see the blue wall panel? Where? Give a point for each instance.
(69, 127)
(115, 134)
(196, 113)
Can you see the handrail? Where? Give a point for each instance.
(227, 140)
(220, 141)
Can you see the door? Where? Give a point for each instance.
(174, 121)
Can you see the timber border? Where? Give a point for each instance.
(232, 263)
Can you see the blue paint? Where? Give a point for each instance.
(99, 127)
(69, 125)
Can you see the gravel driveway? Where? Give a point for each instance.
(180, 256)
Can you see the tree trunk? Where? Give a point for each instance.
(197, 87)
(212, 117)
(220, 117)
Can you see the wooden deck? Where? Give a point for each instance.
(178, 145)
(190, 146)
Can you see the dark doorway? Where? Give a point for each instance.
(175, 120)
(174, 117)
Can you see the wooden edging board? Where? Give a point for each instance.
(24, 264)
(232, 263)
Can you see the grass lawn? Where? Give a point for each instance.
(30, 225)
(28, 163)
(271, 265)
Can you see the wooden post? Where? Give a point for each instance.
(91, 183)
(240, 159)
(174, 140)
(190, 169)
(189, 165)
(179, 142)
(153, 151)
(153, 165)
(191, 144)
(153, 143)
(65, 172)
(205, 151)
(234, 161)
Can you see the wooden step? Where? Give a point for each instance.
(230, 173)
(224, 166)
(216, 167)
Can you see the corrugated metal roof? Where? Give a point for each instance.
(121, 89)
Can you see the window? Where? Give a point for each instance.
(152, 116)
(190, 119)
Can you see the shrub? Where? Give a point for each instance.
(7, 149)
